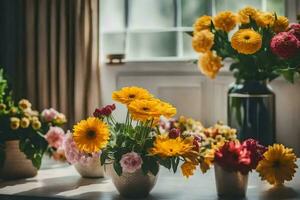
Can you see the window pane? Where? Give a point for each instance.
(192, 9)
(113, 43)
(235, 5)
(147, 45)
(276, 5)
(188, 50)
(112, 15)
(151, 14)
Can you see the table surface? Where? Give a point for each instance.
(65, 183)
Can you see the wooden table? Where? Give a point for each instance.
(65, 183)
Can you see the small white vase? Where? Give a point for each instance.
(230, 184)
(132, 185)
(16, 165)
(92, 169)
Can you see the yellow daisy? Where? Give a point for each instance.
(202, 23)
(91, 135)
(245, 14)
(187, 169)
(278, 165)
(24, 104)
(128, 94)
(246, 41)
(280, 24)
(203, 41)
(14, 123)
(167, 147)
(265, 19)
(210, 64)
(225, 21)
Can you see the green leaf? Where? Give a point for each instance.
(175, 162)
(166, 163)
(118, 168)
(103, 157)
(37, 161)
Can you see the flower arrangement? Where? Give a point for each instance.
(37, 132)
(262, 47)
(136, 143)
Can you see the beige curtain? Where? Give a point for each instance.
(61, 55)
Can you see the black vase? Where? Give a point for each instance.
(251, 110)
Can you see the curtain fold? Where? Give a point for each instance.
(59, 56)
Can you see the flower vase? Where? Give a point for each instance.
(251, 110)
(230, 184)
(16, 165)
(132, 185)
(92, 169)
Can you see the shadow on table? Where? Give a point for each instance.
(280, 193)
(60, 184)
(15, 182)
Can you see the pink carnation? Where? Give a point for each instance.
(295, 30)
(73, 155)
(131, 162)
(49, 115)
(55, 136)
(285, 45)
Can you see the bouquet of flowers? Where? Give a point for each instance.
(37, 132)
(136, 143)
(262, 47)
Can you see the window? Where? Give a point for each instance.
(154, 30)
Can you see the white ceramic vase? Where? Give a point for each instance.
(16, 165)
(92, 169)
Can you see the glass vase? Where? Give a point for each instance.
(251, 110)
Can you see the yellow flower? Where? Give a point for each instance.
(187, 169)
(128, 94)
(225, 21)
(245, 14)
(210, 64)
(14, 123)
(36, 124)
(278, 165)
(91, 135)
(265, 19)
(281, 24)
(246, 41)
(2, 106)
(24, 104)
(207, 160)
(167, 147)
(202, 23)
(13, 111)
(60, 118)
(203, 41)
(25, 122)
(151, 109)
(34, 118)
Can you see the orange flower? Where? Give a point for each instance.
(225, 21)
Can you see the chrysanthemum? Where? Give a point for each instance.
(166, 109)
(245, 14)
(202, 23)
(187, 169)
(278, 165)
(210, 64)
(246, 41)
(203, 41)
(167, 147)
(280, 24)
(225, 21)
(91, 135)
(145, 109)
(128, 94)
(265, 19)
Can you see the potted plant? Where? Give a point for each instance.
(132, 150)
(24, 135)
(263, 46)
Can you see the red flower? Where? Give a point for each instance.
(295, 30)
(285, 45)
(174, 133)
(232, 156)
(256, 151)
(104, 111)
(196, 144)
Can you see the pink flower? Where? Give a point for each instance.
(49, 115)
(104, 111)
(174, 133)
(295, 30)
(55, 136)
(256, 151)
(130, 162)
(285, 45)
(73, 155)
